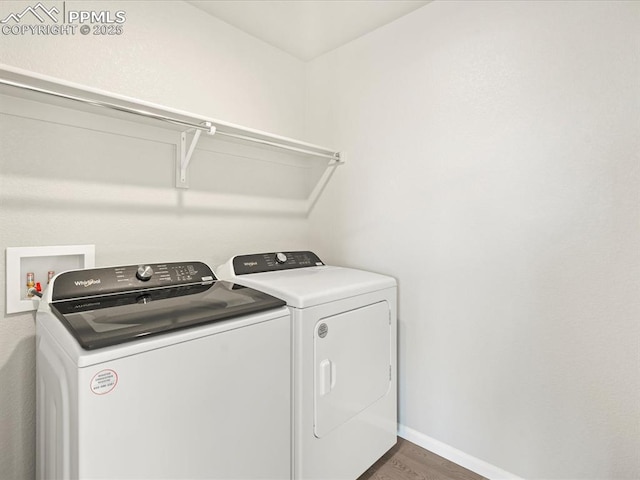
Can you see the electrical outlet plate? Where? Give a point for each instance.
(40, 260)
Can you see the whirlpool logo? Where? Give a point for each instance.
(87, 283)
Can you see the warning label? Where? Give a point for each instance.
(104, 381)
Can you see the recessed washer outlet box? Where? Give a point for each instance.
(40, 261)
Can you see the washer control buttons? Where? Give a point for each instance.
(144, 273)
(281, 257)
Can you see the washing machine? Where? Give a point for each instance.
(344, 358)
(161, 371)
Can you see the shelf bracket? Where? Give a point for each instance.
(184, 157)
(339, 159)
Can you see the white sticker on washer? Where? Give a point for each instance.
(104, 381)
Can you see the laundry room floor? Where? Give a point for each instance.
(407, 461)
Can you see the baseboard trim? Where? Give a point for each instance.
(454, 455)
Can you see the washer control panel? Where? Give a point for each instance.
(101, 281)
(271, 262)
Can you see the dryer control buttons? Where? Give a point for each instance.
(144, 273)
(273, 262)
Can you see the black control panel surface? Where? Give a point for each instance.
(272, 262)
(102, 281)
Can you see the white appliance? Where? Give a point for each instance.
(344, 363)
(161, 372)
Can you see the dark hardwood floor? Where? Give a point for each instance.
(407, 461)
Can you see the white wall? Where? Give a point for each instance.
(62, 184)
(494, 169)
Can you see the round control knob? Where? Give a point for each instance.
(144, 273)
(281, 257)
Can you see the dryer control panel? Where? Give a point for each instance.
(102, 281)
(271, 262)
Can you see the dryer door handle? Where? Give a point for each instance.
(327, 376)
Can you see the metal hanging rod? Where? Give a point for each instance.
(206, 126)
(109, 105)
(332, 156)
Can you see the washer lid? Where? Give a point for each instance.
(306, 287)
(104, 320)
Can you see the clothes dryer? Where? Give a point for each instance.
(161, 371)
(344, 358)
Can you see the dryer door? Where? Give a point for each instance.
(352, 353)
